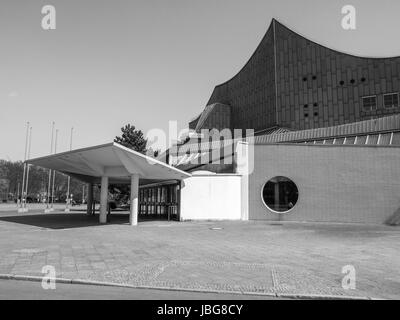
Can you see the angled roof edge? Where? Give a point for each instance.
(112, 144)
(248, 61)
(383, 124)
(71, 151)
(151, 159)
(302, 36)
(332, 49)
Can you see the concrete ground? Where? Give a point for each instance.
(231, 257)
(28, 290)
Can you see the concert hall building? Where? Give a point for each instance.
(325, 143)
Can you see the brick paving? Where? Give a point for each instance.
(250, 257)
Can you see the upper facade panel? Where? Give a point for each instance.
(320, 87)
(251, 92)
(296, 83)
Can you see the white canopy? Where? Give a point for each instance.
(109, 160)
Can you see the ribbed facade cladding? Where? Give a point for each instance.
(215, 116)
(383, 131)
(382, 126)
(293, 82)
(320, 87)
(251, 93)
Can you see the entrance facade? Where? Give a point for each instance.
(160, 202)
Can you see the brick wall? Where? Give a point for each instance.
(336, 183)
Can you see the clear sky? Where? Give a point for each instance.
(146, 62)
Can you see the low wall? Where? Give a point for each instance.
(211, 197)
(341, 183)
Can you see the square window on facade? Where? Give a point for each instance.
(369, 103)
(391, 100)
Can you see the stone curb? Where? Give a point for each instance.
(121, 285)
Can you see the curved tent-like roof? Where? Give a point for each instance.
(112, 160)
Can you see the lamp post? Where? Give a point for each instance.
(69, 178)
(54, 174)
(27, 170)
(18, 195)
(49, 185)
(21, 207)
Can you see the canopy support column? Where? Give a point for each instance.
(103, 199)
(133, 217)
(89, 198)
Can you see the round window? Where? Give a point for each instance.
(280, 194)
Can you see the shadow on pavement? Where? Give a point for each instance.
(64, 220)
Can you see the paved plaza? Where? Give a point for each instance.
(250, 257)
(27, 290)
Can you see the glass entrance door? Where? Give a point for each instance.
(159, 202)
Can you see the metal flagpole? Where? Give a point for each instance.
(18, 195)
(27, 170)
(54, 174)
(21, 208)
(49, 185)
(69, 178)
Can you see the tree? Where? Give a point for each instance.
(12, 171)
(11, 174)
(132, 139)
